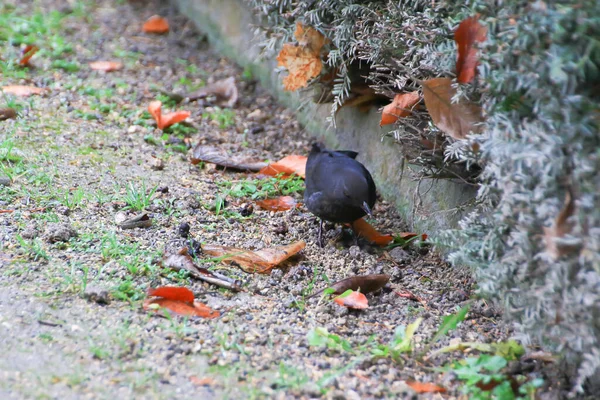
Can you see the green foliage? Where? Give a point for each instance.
(224, 117)
(263, 188)
(138, 198)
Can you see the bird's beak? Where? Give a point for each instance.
(367, 209)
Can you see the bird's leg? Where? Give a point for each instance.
(320, 236)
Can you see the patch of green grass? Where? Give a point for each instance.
(68, 66)
(138, 198)
(46, 337)
(127, 291)
(167, 102)
(262, 188)
(72, 198)
(33, 248)
(224, 117)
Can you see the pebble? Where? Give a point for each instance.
(59, 232)
(97, 294)
(399, 255)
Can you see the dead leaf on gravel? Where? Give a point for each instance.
(165, 120)
(400, 107)
(454, 119)
(125, 221)
(7, 113)
(183, 261)
(23, 91)
(560, 228)
(428, 387)
(178, 300)
(206, 381)
(106, 66)
(282, 203)
(366, 230)
(364, 283)
(26, 54)
(156, 24)
(225, 90)
(260, 261)
(289, 165)
(220, 157)
(355, 300)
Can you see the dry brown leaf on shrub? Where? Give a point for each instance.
(454, 119)
(410, 235)
(288, 165)
(106, 66)
(179, 300)
(303, 62)
(165, 120)
(156, 24)
(26, 54)
(400, 107)
(355, 300)
(468, 33)
(282, 203)
(428, 387)
(23, 91)
(260, 261)
(560, 228)
(220, 157)
(366, 230)
(225, 91)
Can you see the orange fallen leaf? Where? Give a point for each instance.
(261, 261)
(27, 53)
(355, 300)
(366, 230)
(24, 91)
(410, 235)
(165, 120)
(400, 107)
(420, 387)
(468, 33)
(156, 24)
(289, 165)
(303, 61)
(454, 119)
(106, 66)
(173, 293)
(206, 381)
(196, 309)
(282, 203)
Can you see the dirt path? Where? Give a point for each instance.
(87, 150)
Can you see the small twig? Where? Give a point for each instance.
(408, 295)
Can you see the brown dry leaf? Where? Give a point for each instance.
(560, 228)
(454, 119)
(468, 33)
(355, 300)
(225, 90)
(180, 300)
(220, 157)
(173, 293)
(261, 261)
(23, 91)
(428, 387)
(410, 235)
(106, 66)
(165, 120)
(282, 203)
(289, 165)
(364, 229)
(7, 113)
(400, 107)
(156, 24)
(366, 283)
(310, 38)
(26, 54)
(206, 381)
(301, 63)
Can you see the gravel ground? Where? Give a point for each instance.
(82, 152)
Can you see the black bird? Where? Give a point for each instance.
(338, 188)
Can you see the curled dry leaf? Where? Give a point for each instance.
(427, 387)
(260, 261)
(400, 107)
(303, 61)
(560, 228)
(23, 91)
(165, 120)
(220, 157)
(282, 203)
(355, 300)
(454, 119)
(468, 33)
(7, 113)
(289, 165)
(106, 66)
(364, 283)
(225, 90)
(410, 235)
(366, 230)
(26, 54)
(178, 300)
(156, 24)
